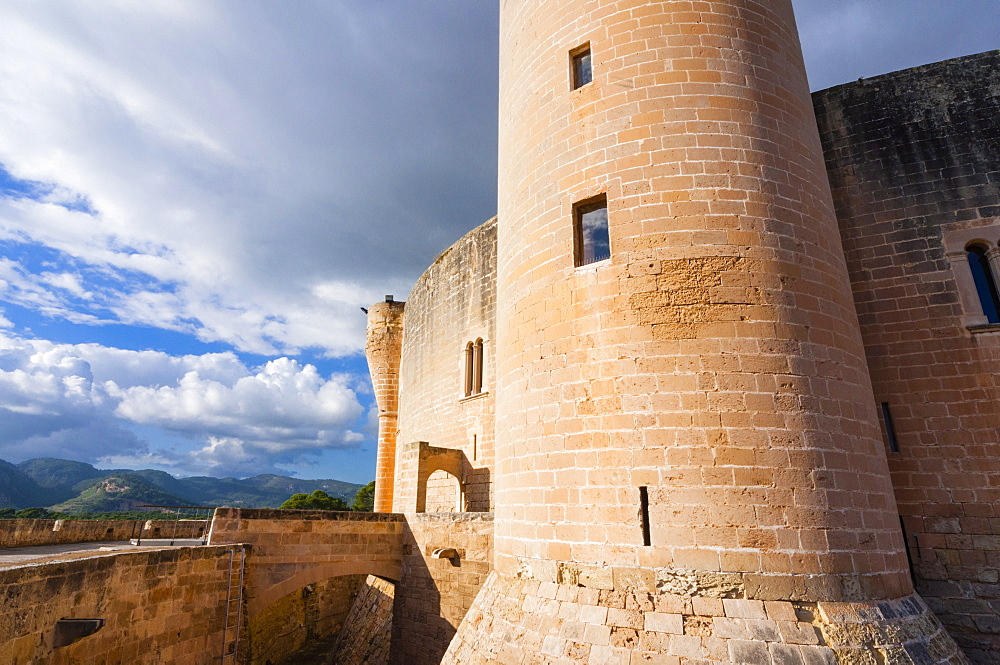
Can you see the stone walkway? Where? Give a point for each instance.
(16, 556)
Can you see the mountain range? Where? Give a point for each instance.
(76, 487)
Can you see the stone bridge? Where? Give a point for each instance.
(292, 549)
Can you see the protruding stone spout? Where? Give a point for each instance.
(69, 631)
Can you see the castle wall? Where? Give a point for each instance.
(30, 532)
(436, 593)
(160, 606)
(452, 304)
(914, 164)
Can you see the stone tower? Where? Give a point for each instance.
(688, 457)
(382, 349)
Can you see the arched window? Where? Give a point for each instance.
(473, 368)
(477, 367)
(986, 284)
(469, 368)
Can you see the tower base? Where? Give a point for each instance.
(520, 621)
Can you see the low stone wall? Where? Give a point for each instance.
(436, 593)
(29, 532)
(159, 606)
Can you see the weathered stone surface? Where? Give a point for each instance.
(158, 606)
(513, 618)
(31, 532)
(368, 636)
(914, 164)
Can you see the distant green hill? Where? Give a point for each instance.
(51, 472)
(118, 491)
(18, 490)
(77, 487)
(59, 476)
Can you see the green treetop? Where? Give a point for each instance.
(318, 500)
(364, 500)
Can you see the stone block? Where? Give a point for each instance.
(659, 622)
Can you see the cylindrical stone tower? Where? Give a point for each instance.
(382, 349)
(686, 433)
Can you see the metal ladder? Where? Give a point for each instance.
(233, 611)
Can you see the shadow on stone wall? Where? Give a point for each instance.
(436, 591)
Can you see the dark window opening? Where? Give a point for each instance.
(592, 240)
(644, 511)
(890, 428)
(583, 73)
(986, 284)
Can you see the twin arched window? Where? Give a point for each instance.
(474, 368)
(982, 262)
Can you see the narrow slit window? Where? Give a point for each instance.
(644, 512)
(582, 72)
(890, 428)
(593, 243)
(986, 284)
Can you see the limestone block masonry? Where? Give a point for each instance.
(690, 420)
(382, 348)
(295, 548)
(520, 621)
(914, 163)
(159, 606)
(368, 639)
(29, 532)
(435, 594)
(452, 305)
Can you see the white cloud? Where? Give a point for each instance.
(284, 405)
(82, 399)
(225, 455)
(262, 169)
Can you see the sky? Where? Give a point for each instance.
(197, 196)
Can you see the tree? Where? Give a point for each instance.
(36, 513)
(318, 500)
(364, 500)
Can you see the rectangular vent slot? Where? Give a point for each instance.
(644, 504)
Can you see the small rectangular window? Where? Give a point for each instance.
(591, 230)
(890, 429)
(582, 73)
